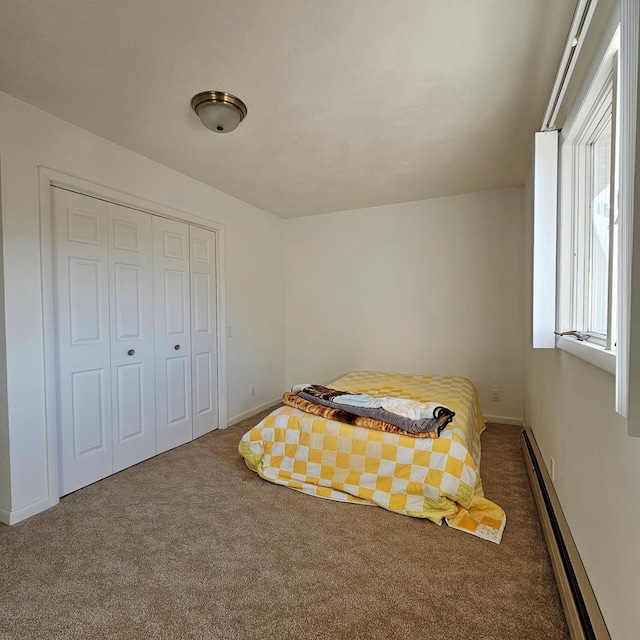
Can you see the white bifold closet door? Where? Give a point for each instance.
(104, 312)
(136, 335)
(132, 336)
(174, 418)
(204, 351)
(186, 332)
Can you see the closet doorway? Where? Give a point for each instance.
(137, 358)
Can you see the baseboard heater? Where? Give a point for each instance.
(581, 609)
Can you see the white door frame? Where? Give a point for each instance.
(47, 178)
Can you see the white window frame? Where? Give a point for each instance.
(628, 360)
(576, 132)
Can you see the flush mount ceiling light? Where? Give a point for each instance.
(219, 111)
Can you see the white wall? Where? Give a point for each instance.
(254, 276)
(5, 472)
(569, 405)
(423, 287)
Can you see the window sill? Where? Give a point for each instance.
(591, 353)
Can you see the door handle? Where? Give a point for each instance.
(130, 352)
(177, 347)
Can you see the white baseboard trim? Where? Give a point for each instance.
(249, 412)
(13, 517)
(516, 422)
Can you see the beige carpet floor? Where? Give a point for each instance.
(192, 544)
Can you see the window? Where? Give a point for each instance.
(588, 212)
(594, 299)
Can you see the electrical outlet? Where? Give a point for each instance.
(552, 469)
(229, 332)
(253, 391)
(495, 395)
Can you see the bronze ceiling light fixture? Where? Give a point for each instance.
(219, 111)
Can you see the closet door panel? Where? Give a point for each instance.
(204, 330)
(130, 404)
(132, 340)
(176, 293)
(88, 396)
(172, 333)
(85, 289)
(177, 390)
(202, 396)
(81, 298)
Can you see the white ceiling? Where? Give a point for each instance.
(352, 103)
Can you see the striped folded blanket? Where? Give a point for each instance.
(362, 410)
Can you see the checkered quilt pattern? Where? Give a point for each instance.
(437, 478)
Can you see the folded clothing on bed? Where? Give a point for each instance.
(433, 417)
(340, 415)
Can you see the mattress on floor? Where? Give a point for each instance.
(437, 479)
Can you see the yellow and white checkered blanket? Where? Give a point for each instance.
(426, 478)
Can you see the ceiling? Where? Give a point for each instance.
(352, 103)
